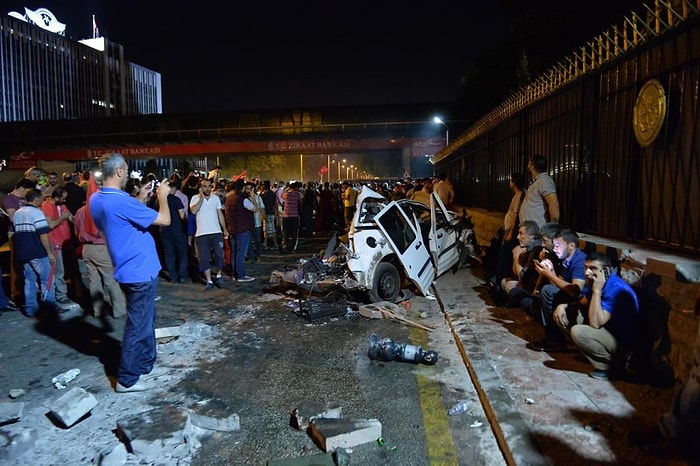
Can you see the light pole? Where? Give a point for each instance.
(347, 172)
(439, 121)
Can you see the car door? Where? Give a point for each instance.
(443, 238)
(403, 234)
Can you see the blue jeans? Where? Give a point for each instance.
(176, 254)
(239, 248)
(139, 341)
(4, 301)
(255, 243)
(36, 278)
(550, 297)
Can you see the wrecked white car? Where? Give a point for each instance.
(389, 246)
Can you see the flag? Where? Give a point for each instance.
(95, 31)
(243, 174)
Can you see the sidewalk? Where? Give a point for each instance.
(548, 410)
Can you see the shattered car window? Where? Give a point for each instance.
(369, 209)
(398, 229)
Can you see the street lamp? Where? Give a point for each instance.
(439, 121)
(347, 172)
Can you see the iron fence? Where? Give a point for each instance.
(580, 115)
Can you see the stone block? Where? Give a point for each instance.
(330, 434)
(15, 444)
(309, 410)
(231, 423)
(10, 412)
(73, 405)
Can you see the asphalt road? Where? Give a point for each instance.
(260, 361)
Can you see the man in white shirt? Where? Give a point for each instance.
(211, 233)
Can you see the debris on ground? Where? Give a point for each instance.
(386, 350)
(390, 311)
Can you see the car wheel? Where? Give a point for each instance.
(386, 284)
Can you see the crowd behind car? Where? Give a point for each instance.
(220, 224)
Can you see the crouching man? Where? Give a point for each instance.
(604, 323)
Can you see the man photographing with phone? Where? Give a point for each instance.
(604, 323)
(124, 221)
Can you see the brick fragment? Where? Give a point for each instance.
(330, 434)
(73, 405)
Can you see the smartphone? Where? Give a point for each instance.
(606, 273)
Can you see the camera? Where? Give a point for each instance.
(152, 187)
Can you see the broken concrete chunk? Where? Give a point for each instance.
(322, 459)
(62, 379)
(17, 393)
(141, 430)
(168, 332)
(15, 444)
(10, 412)
(330, 434)
(73, 405)
(310, 410)
(231, 423)
(116, 457)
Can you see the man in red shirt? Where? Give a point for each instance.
(58, 217)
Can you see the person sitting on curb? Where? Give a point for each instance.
(604, 323)
(563, 287)
(520, 288)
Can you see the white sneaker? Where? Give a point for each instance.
(139, 386)
(245, 279)
(156, 372)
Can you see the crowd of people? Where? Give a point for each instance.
(200, 227)
(218, 225)
(580, 300)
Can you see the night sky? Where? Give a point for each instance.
(258, 55)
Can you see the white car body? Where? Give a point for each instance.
(390, 242)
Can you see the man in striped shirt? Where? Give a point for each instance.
(34, 250)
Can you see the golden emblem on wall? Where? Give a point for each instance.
(649, 112)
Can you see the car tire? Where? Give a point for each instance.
(386, 284)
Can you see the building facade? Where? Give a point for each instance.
(46, 76)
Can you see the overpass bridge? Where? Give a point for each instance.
(388, 140)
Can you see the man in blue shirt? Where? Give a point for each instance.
(565, 285)
(124, 222)
(604, 324)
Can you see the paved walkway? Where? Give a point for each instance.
(546, 407)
